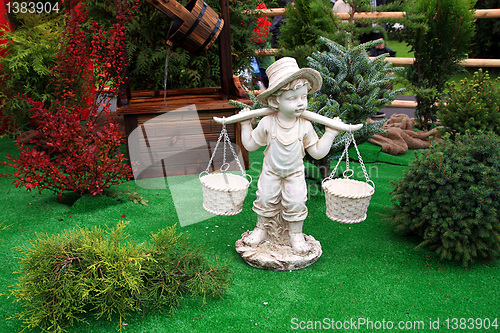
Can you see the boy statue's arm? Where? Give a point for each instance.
(246, 134)
(321, 148)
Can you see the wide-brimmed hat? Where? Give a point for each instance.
(284, 71)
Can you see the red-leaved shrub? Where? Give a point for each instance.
(69, 152)
(67, 156)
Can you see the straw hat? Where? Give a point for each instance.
(285, 71)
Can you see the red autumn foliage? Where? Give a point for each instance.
(69, 157)
(69, 152)
(73, 73)
(108, 47)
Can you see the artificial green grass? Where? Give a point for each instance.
(366, 270)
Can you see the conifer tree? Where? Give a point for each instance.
(355, 87)
(305, 21)
(472, 105)
(449, 198)
(30, 53)
(439, 32)
(106, 274)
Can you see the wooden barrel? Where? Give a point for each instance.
(195, 26)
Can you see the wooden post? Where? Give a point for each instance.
(226, 62)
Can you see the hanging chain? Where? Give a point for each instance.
(207, 170)
(345, 153)
(226, 141)
(360, 160)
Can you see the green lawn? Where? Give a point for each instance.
(402, 50)
(367, 273)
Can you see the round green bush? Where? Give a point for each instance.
(449, 196)
(108, 275)
(472, 105)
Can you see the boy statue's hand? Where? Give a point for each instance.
(245, 122)
(331, 130)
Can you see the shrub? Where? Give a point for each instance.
(105, 273)
(67, 155)
(305, 21)
(30, 53)
(449, 196)
(473, 105)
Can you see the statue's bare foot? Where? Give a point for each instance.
(298, 243)
(257, 236)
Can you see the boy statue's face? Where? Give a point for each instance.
(292, 103)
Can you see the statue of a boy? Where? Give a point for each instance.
(281, 189)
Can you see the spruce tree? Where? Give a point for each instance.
(449, 197)
(355, 87)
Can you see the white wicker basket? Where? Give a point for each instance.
(347, 200)
(224, 193)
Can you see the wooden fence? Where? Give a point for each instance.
(479, 13)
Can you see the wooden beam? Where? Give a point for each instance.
(465, 62)
(402, 104)
(399, 61)
(480, 63)
(266, 52)
(487, 13)
(226, 61)
(479, 13)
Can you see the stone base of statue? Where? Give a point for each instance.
(275, 253)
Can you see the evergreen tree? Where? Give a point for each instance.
(449, 198)
(472, 105)
(355, 87)
(306, 20)
(31, 52)
(439, 32)
(106, 274)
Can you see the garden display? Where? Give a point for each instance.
(88, 248)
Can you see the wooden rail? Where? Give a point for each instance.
(405, 61)
(465, 62)
(479, 13)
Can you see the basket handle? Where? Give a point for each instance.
(226, 142)
(349, 172)
(250, 179)
(344, 153)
